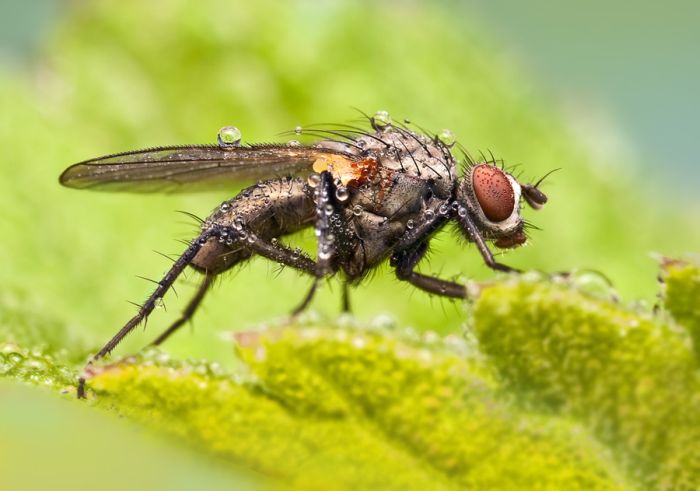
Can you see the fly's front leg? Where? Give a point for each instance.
(470, 228)
(326, 207)
(406, 261)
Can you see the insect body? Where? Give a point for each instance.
(370, 195)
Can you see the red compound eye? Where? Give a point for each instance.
(493, 192)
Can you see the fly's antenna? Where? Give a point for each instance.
(537, 184)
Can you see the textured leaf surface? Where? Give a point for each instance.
(629, 377)
(682, 296)
(351, 408)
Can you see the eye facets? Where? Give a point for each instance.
(493, 192)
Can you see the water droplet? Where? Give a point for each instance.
(229, 136)
(274, 241)
(409, 224)
(159, 303)
(462, 211)
(293, 143)
(593, 283)
(225, 206)
(298, 130)
(446, 137)
(329, 209)
(357, 210)
(381, 119)
(342, 194)
(314, 180)
(429, 214)
(324, 253)
(454, 205)
(444, 209)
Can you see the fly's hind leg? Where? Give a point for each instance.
(266, 249)
(189, 310)
(326, 207)
(144, 311)
(406, 261)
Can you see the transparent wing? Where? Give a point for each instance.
(192, 167)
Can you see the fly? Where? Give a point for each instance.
(371, 195)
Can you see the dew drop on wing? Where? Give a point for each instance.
(229, 136)
(429, 214)
(357, 210)
(409, 224)
(298, 130)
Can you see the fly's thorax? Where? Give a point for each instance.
(493, 198)
(401, 150)
(393, 195)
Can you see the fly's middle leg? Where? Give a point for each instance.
(406, 261)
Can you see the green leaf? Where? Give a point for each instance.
(360, 409)
(682, 296)
(626, 375)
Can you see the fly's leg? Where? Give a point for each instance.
(406, 261)
(150, 303)
(326, 206)
(277, 253)
(189, 310)
(266, 249)
(470, 228)
(346, 298)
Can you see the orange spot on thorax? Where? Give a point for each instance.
(350, 172)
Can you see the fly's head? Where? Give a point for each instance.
(491, 197)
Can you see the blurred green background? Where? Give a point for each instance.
(89, 78)
(606, 92)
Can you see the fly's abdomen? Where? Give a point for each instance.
(268, 210)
